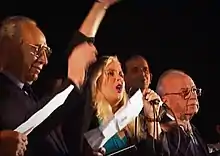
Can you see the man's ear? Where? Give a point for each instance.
(151, 78)
(165, 100)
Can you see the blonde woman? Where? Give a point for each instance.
(107, 94)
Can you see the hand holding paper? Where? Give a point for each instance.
(99, 136)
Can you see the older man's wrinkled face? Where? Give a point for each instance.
(181, 95)
(137, 73)
(33, 52)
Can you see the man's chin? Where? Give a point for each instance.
(35, 77)
(190, 115)
(32, 78)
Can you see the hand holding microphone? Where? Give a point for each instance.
(152, 103)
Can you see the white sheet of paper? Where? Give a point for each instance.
(43, 113)
(130, 111)
(99, 136)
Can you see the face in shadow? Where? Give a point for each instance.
(137, 73)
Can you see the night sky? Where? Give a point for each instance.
(181, 34)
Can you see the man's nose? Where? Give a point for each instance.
(142, 73)
(43, 58)
(193, 96)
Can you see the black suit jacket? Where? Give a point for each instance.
(16, 107)
(176, 138)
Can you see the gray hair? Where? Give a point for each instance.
(159, 88)
(10, 27)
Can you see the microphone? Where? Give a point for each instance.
(163, 107)
(158, 102)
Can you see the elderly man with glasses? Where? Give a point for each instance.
(180, 94)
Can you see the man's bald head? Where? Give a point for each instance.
(179, 92)
(167, 79)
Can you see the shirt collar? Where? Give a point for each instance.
(13, 79)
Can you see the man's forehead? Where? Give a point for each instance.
(137, 62)
(178, 82)
(32, 34)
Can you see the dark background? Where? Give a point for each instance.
(182, 34)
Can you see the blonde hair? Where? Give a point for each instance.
(100, 104)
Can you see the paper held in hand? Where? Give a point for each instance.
(43, 113)
(99, 136)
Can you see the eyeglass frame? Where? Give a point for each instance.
(38, 52)
(187, 96)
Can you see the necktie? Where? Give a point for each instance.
(28, 90)
(192, 143)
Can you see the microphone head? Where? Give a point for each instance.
(157, 102)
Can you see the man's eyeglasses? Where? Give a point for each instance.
(39, 50)
(186, 92)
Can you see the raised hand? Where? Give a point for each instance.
(108, 2)
(80, 59)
